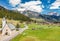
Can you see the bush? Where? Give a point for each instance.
(17, 27)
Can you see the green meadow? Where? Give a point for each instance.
(39, 32)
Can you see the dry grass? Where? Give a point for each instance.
(30, 38)
(9, 21)
(13, 21)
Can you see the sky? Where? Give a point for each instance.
(40, 6)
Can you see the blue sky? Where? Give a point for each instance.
(43, 6)
(5, 3)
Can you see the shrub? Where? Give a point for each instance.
(17, 27)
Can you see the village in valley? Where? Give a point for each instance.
(29, 20)
(11, 30)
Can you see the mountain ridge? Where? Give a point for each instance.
(10, 14)
(50, 18)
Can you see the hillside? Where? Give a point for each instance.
(9, 14)
(50, 18)
(31, 14)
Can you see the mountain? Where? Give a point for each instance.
(26, 15)
(31, 14)
(53, 13)
(50, 18)
(10, 14)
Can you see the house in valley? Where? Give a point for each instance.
(7, 28)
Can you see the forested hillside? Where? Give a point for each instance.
(12, 15)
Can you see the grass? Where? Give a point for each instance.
(21, 25)
(9, 21)
(39, 33)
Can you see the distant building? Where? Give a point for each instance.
(7, 28)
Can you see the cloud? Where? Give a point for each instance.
(31, 5)
(55, 5)
(35, 8)
(14, 2)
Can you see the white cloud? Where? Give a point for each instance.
(35, 8)
(14, 2)
(55, 5)
(32, 5)
(21, 9)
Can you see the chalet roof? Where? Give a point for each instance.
(10, 25)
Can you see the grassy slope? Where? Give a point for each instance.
(9, 21)
(38, 19)
(13, 22)
(42, 32)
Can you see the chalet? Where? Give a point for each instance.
(7, 28)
